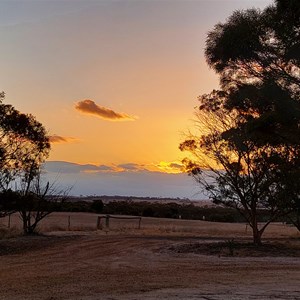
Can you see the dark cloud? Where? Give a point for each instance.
(170, 167)
(90, 107)
(57, 139)
(95, 168)
(131, 167)
(153, 184)
(67, 167)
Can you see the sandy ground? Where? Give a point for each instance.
(126, 263)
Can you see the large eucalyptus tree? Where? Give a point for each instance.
(250, 127)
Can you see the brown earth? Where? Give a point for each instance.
(165, 259)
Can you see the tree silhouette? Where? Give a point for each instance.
(253, 133)
(24, 146)
(35, 200)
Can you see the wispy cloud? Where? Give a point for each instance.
(90, 107)
(57, 139)
(170, 167)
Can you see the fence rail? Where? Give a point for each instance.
(108, 217)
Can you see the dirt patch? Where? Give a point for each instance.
(145, 264)
(240, 249)
(24, 244)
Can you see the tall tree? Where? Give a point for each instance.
(24, 146)
(257, 57)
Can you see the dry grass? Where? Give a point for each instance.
(87, 222)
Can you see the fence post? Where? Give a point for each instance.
(69, 222)
(107, 221)
(99, 225)
(140, 220)
(8, 225)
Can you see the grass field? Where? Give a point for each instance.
(88, 222)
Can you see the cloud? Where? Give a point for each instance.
(96, 169)
(86, 180)
(131, 167)
(90, 107)
(170, 167)
(68, 167)
(57, 139)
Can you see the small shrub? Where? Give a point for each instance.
(231, 246)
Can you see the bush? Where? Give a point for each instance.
(97, 206)
(148, 212)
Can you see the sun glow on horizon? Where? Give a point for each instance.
(90, 168)
(116, 82)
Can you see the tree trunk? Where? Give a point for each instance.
(256, 232)
(24, 219)
(256, 235)
(27, 227)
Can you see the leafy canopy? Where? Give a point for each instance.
(251, 125)
(24, 144)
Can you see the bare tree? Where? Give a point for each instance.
(235, 173)
(36, 200)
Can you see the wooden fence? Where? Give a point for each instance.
(108, 217)
(72, 221)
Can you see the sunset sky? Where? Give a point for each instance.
(114, 83)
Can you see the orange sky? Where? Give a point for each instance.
(114, 81)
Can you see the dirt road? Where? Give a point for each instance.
(122, 266)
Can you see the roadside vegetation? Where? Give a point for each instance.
(170, 210)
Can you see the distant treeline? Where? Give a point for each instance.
(106, 198)
(158, 210)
